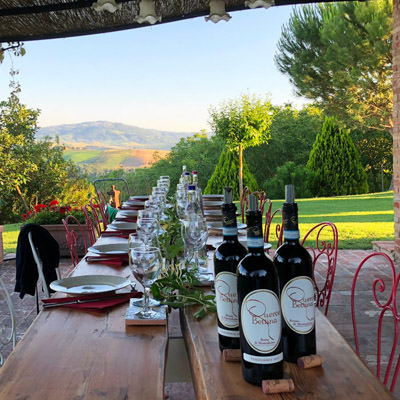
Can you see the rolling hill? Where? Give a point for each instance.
(102, 145)
(112, 135)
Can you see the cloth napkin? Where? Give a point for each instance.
(127, 219)
(119, 260)
(104, 301)
(132, 207)
(120, 234)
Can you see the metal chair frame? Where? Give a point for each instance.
(324, 249)
(70, 222)
(269, 216)
(387, 308)
(11, 337)
(90, 224)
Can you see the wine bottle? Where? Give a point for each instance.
(259, 306)
(226, 259)
(294, 266)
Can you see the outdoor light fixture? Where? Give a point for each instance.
(259, 3)
(147, 12)
(106, 5)
(217, 11)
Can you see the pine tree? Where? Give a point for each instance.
(227, 174)
(335, 162)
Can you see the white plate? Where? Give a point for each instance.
(208, 197)
(109, 248)
(139, 198)
(244, 243)
(89, 284)
(212, 203)
(127, 213)
(121, 225)
(133, 203)
(218, 225)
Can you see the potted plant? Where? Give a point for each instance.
(50, 216)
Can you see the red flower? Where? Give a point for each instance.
(96, 206)
(29, 212)
(39, 207)
(63, 210)
(24, 217)
(69, 208)
(53, 203)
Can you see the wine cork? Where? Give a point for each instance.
(277, 386)
(313, 360)
(232, 355)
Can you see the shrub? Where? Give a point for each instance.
(227, 174)
(335, 162)
(289, 173)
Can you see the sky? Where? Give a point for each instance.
(162, 77)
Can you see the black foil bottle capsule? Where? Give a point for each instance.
(294, 266)
(259, 306)
(226, 259)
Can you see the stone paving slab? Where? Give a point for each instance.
(339, 310)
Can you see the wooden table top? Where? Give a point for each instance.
(342, 376)
(74, 354)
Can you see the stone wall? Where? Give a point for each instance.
(396, 123)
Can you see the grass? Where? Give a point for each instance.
(360, 219)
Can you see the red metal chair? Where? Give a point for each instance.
(97, 217)
(244, 201)
(103, 208)
(72, 225)
(386, 302)
(324, 256)
(89, 219)
(269, 216)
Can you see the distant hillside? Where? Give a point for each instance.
(103, 134)
(99, 160)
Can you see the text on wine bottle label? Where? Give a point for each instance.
(298, 304)
(229, 231)
(263, 359)
(231, 334)
(261, 320)
(227, 299)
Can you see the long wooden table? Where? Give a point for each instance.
(70, 354)
(342, 376)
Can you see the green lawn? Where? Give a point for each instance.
(360, 219)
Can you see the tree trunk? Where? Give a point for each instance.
(22, 198)
(240, 170)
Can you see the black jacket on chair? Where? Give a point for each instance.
(26, 268)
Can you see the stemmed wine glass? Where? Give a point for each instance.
(148, 230)
(146, 267)
(195, 233)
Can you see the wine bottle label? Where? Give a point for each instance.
(291, 235)
(263, 359)
(227, 299)
(255, 242)
(298, 304)
(231, 334)
(261, 320)
(229, 231)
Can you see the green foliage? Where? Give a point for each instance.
(16, 48)
(375, 149)
(55, 217)
(226, 174)
(289, 173)
(335, 163)
(293, 133)
(340, 55)
(244, 122)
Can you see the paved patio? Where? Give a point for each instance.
(339, 311)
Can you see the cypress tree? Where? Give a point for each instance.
(335, 162)
(227, 174)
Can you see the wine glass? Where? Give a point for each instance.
(146, 267)
(195, 233)
(148, 230)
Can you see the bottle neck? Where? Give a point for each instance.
(291, 232)
(255, 240)
(229, 223)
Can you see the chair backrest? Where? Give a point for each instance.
(244, 201)
(269, 218)
(7, 321)
(324, 258)
(39, 266)
(95, 209)
(103, 208)
(72, 227)
(90, 223)
(385, 281)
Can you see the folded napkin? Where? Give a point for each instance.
(132, 207)
(126, 219)
(210, 247)
(91, 302)
(111, 260)
(123, 235)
